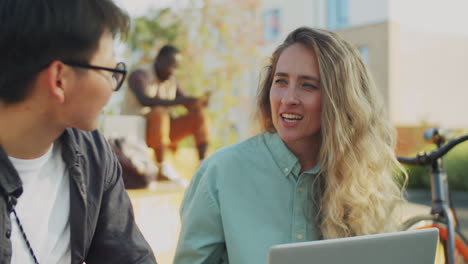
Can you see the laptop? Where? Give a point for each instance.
(405, 247)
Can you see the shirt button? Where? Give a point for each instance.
(301, 189)
(299, 236)
(286, 169)
(8, 234)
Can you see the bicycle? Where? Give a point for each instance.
(442, 214)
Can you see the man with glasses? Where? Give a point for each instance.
(62, 198)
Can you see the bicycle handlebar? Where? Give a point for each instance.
(426, 158)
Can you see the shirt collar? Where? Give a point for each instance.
(315, 170)
(10, 181)
(70, 146)
(283, 157)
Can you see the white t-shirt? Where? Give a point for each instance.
(43, 209)
(166, 90)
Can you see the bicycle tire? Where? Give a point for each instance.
(428, 221)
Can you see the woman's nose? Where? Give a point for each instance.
(290, 97)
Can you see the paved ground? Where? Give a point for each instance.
(460, 200)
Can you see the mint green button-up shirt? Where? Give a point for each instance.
(244, 199)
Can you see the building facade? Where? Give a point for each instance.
(416, 50)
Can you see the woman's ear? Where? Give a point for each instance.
(56, 76)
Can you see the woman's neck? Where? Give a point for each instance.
(307, 152)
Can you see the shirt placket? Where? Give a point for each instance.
(299, 228)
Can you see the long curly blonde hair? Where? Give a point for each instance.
(359, 191)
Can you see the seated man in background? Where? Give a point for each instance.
(154, 91)
(62, 198)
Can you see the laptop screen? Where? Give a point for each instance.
(405, 247)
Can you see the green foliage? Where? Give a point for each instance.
(150, 32)
(456, 166)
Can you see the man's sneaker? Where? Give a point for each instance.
(168, 173)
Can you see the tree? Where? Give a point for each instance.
(219, 41)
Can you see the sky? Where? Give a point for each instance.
(138, 7)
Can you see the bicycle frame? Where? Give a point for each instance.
(441, 206)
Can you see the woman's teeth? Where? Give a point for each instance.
(291, 117)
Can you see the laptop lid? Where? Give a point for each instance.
(405, 247)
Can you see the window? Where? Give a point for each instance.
(271, 25)
(365, 55)
(338, 12)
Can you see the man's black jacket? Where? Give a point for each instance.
(102, 225)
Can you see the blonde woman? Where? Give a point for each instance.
(323, 168)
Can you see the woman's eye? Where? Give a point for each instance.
(310, 86)
(280, 81)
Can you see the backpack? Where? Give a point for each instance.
(138, 170)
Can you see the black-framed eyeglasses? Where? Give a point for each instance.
(118, 73)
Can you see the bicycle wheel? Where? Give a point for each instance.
(428, 221)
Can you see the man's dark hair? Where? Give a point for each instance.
(166, 58)
(33, 33)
